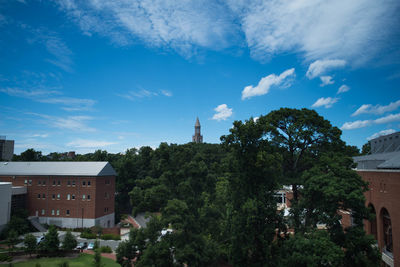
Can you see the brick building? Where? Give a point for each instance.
(67, 194)
(381, 169)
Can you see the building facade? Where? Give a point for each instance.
(197, 137)
(66, 194)
(5, 203)
(381, 169)
(6, 148)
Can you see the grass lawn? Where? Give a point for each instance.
(82, 261)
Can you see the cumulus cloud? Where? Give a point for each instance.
(364, 123)
(222, 112)
(377, 109)
(326, 102)
(84, 143)
(320, 67)
(381, 133)
(326, 80)
(284, 79)
(343, 88)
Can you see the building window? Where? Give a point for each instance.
(43, 212)
(26, 182)
(39, 182)
(68, 197)
(44, 196)
(58, 196)
(52, 212)
(107, 181)
(106, 195)
(58, 182)
(44, 183)
(73, 197)
(73, 183)
(105, 209)
(38, 196)
(88, 183)
(67, 212)
(54, 182)
(53, 196)
(88, 197)
(83, 183)
(58, 212)
(69, 183)
(83, 197)
(30, 182)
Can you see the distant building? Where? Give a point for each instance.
(197, 137)
(381, 169)
(66, 194)
(6, 148)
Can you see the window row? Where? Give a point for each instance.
(55, 212)
(58, 196)
(57, 182)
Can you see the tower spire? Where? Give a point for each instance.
(197, 137)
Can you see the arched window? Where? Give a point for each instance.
(387, 230)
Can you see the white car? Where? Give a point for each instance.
(39, 239)
(90, 246)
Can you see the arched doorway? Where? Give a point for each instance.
(373, 229)
(387, 231)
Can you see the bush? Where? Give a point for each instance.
(105, 249)
(63, 264)
(110, 237)
(88, 235)
(5, 257)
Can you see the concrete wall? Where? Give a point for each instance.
(5, 203)
(78, 222)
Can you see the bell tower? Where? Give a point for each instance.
(197, 137)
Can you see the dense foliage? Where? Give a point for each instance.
(214, 203)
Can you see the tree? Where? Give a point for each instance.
(30, 243)
(69, 241)
(97, 255)
(310, 250)
(29, 155)
(254, 169)
(51, 241)
(366, 149)
(12, 239)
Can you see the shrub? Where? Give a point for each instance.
(88, 235)
(5, 257)
(110, 237)
(63, 264)
(105, 249)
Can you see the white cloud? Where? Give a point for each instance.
(265, 83)
(255, 119)
(326, 80)
(84, 143)
(327, 102)
(166, 93)
(318, 28)
(73, 123)
(320, 67)
(40, 135)
(342, 89)
(47, 96)
(143, 93)
(222, 112)
(377, 109)
(361, 124)
(182, 26)
(381, 133)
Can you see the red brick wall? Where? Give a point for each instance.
(90, 208)
(384, 193)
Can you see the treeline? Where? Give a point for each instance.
(218, 199)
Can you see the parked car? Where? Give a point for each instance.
(90, 246)
(81, 245)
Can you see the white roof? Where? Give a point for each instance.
(72, 168)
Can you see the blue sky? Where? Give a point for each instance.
(86, 75)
